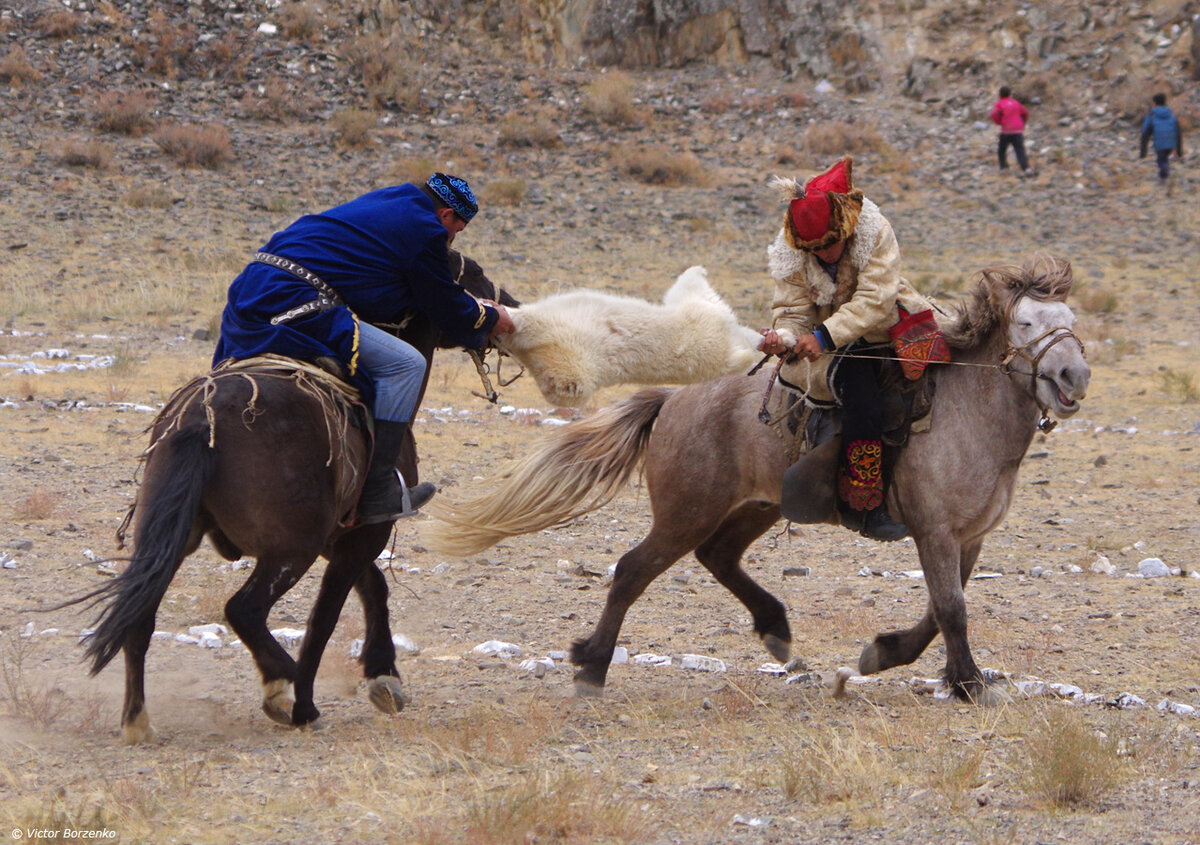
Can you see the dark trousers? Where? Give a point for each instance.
(1016, 140)
(855, 382)
(1163, 157)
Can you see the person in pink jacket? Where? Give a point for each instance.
(1011, 116)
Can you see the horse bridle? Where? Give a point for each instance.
(1026, 352)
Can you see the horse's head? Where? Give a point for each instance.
(1039, 325)
(470, 275)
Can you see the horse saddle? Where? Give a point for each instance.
(809, 493)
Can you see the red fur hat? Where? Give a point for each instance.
(826, 210)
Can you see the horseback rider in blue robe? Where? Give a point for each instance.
(317, 287)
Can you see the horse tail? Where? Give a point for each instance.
(164, 529)
(581, 468)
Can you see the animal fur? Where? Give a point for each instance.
(576, 343)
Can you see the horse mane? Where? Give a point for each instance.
(1045, 278)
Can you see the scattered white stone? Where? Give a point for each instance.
(772, 669)
(85, 633)
(508, 410)
(288, 637)
(652, 659)
(1031, 689)
(1176, 707)
(1065, 690)
(986, 576)
(497, 648)
(538, 666)
(924, 686)
(911, 573)
(187, 639)
(385, 555)
(750, 821)
(242, 563)
(700, 662)
(553, 421)
(236, 644)
(1036, 572)
(1127, 701)
(440, 568)
(1089, 698)
(824, 87)
(560, 656)
(268, 28)
(620, 655)
(162, 635)
(28, 631)
(210, 640)
(1153, 567)
(7, 561)
(403, 643)
(212, 628)
(1103, 566)
(1074, 569)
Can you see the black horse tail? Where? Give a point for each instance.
(177, 473)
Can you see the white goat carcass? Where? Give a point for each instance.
(578, 342)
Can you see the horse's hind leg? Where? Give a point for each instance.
(635, 570)
(247, 611)
(135, 721)
(721, 554)
(378, 656)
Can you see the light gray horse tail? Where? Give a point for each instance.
(577, 470)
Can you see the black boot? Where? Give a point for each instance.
(384, 497)
(879, 525)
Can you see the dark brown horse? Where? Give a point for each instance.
(713, 472)
(264, 463)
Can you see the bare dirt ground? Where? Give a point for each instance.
(487, 752)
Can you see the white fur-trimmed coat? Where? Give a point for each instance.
(575, 343)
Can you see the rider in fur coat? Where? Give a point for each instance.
(836, 266)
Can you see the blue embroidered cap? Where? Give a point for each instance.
(456, 193)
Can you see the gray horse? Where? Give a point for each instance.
(714, 471)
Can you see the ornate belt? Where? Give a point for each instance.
(327, 297)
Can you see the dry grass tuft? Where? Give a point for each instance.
(609, 98)
(841, 137)
(1096, 300)
(39, 704)
(59, 24)
(1179, 385)
(202, 146)
(39, 504)
(16, 69)
(660, 166)
(1071, 764)
(389, 73)
(93, 154)
(279, 99)
(352, 128)
(518, 130)
(415, 170)
(149, 196)
(125, 112)
(301, 21)
(505, 191)
(169, 44)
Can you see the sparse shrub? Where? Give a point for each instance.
(204, 146)
(60, 23)
(505, 191)
(795, 97)
(15, 68)
(1071, 764)
(518, 130)
(92, 154)
(717, 103)
(1096, 300)
(39, 504)
(841, 137)
(660, 166)
(153, 196)
(1179, 385)
(126, 112)
(609, 98)
(352, 127)
(39, 704)
(170, 46)
(225, 57)
(414, 169)
(301, 21)
(279, 99)
(389, 73)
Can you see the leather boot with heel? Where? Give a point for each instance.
(384, 497)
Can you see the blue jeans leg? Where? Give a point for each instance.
(397, 370)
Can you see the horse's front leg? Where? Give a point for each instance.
(899, 648)
(378, 656)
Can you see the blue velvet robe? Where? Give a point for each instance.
(384, 252)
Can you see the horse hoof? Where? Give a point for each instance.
(777, 648)
(586, 689)
(139, 731)
(387, 694)
(278, 701)
(869, 662)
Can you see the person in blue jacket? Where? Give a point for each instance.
(316, 288)
(1162, 125)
